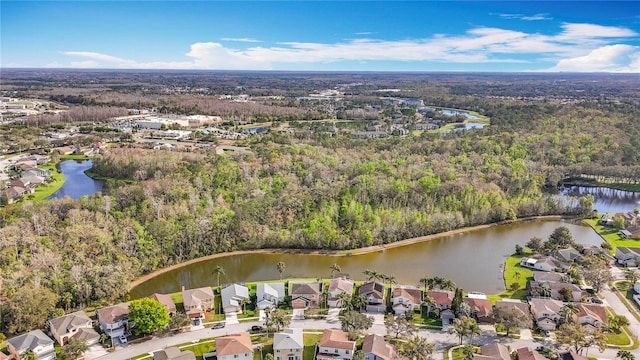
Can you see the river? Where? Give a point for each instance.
(77, 183)
(473, 260)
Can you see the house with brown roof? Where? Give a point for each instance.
(570, 355)
(589, 314)
(114, 319)
(173, 353)
(36, 341)
(166, 301)
(442, 298)
(236, 346)
(77, 325)
(374, 292)
(528, 354)
(405, 299)
(375, 348)
(335, 344)
(481, 309)
(339, 286)
(305, 295)
(516, 304)
(493, 351)
(546, 312)
(196, 302)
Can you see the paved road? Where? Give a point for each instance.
(442, 339)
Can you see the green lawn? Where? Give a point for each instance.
(620, 339)
(514, 273)
(44, 191)
(310, 341)
(610, 235)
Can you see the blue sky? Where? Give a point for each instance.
(583, 36)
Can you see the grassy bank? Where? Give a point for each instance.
(44, 191)
(611, 236)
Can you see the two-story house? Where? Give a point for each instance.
(197, 302)
(233, 298)
(405, 299)
(77, 325)
(114, 319)
(36, 341)
(305, 295)
(481, 308)
(234, 347)
(269, 295)
(335, 344)
(546, 312)
(339, 286)
(374, 292)
(375, 348)
(288, 344)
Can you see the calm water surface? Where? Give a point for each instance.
(607, 200)
(77, 183)
(473, 260)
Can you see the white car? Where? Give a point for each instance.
(123, 339)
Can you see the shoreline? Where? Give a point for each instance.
(142, 279)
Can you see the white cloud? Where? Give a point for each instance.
(248, 40)
(364, 33)
(610, 58)
(536, 17)
(478, 45)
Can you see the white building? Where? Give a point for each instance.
(288, 344)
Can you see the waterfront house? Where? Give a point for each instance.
(305, 295)
(233, 298)
(481, 309)
(493, 351)
(339, 286)
(166, 301)
(627, 256)
(36, 341)
(546, 312)
(77, 325)
(173, 353)
(374, 292)
(543, 276)
(234, 347)
(375, 348)
(545, 263)
(196, 302)
(515, 304)
(335, 344)
(269, 294)
(114, 319)
(405, 299)
(442, 299)
(288, 344)
(567, 255)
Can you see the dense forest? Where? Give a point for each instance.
(308, 190)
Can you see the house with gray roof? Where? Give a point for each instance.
(77, 325)
(338, 286)
(36, 341)
(269, 294)
(233, 296)
(546, 312)
(627, 256)
(375, 347)
(197, 301)
(288, 344)
(305, 295)
(545, 263)
(173, 353)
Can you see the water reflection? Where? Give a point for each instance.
(607, 200)
(77, 183)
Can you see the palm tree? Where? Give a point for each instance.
(425, 281)
(29, 355)
(358, 302)
(335, 268)
(417, 348)
(281, 266)
(371, 275)
(633, 276)
(344, 300)
(429, 302)
(219, 270)
(517, 275)
(567, 312)
(625, 355)
(468, 350)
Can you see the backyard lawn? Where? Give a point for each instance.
(611, 236)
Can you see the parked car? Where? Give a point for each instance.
(219, 325)
(540, 348)
(596, 300)
(256, 328)
(123, 339)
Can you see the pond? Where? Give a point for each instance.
(458, 112)
(473, 260)
(606, 200)
(77, 183)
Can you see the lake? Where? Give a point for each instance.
(77, 183)
(607, 200)
(473, 260)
